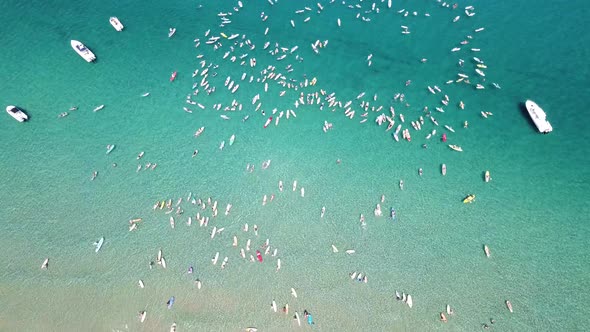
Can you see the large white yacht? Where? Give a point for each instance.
(83, 51)
(116, 23)
(539, 117)
(18, 114)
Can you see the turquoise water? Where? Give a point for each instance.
(531, 214)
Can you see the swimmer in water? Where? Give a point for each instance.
(190, 270)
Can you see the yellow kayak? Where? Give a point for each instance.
(223, 35)
(469, 198)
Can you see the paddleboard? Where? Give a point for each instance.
(268, 122)
(98, 244)
(170, 302)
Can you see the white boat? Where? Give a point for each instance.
(171, 32)
(98, 108)
(18, 114)
(539, 117)
(116, 23)
(83, 51)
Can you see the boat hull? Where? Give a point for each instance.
(83, 51)
(538, 116)
(17, 113)
(116, 23)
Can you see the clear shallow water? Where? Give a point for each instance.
(531, 214)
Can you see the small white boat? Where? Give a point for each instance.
(171, 32)
(17, 113)
(231, 140)
(116, 23)
(110, 148)
(98, 108)
(539, 117)
(83, 51)
(145, 94)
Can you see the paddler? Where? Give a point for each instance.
(309, 317)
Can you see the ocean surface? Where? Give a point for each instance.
(533, 215)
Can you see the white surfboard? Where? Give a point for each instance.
(98, 244)
(45, 264)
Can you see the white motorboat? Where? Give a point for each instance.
(83, 51)
(171, 32)
(539, 117)
(17, 113)
(116, 23)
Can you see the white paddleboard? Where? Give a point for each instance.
(98, 244)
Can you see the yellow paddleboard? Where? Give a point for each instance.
(469, 199)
